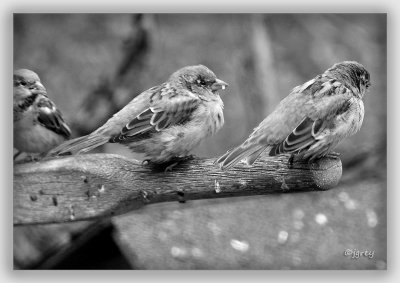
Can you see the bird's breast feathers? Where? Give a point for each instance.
(206, 121)
(350, 121)
(32, 137)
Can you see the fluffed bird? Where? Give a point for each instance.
(38, 124)
(311, 121)
(164, 122)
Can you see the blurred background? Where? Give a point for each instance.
(93, 64)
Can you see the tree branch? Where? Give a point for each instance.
(98, 185)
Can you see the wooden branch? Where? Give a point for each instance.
(97, 185)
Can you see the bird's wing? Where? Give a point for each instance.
(50, 117)
(167, 107)
(301, 138)
(329, 102)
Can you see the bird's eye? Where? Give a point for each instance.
(201, 82)
(18, 83)
(366, 81)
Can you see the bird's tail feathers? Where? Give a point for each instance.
(79, 145)
(253, 156)
(232, 157)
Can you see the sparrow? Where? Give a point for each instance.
(164, 122)
(311, 121)
(38, 124)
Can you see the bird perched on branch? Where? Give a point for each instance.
(164, 122)
(38, 124)
(311, 121)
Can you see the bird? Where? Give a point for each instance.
(311, 121)
(38, 124)
(164, 122)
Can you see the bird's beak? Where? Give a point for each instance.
(38, 86)
(219, 84)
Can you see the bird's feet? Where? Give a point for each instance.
(36, 157)
(291, 161)
(170, 167)
(178, 160)
(187, 158)
(29, 158)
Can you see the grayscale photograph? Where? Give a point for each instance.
(199, 141)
